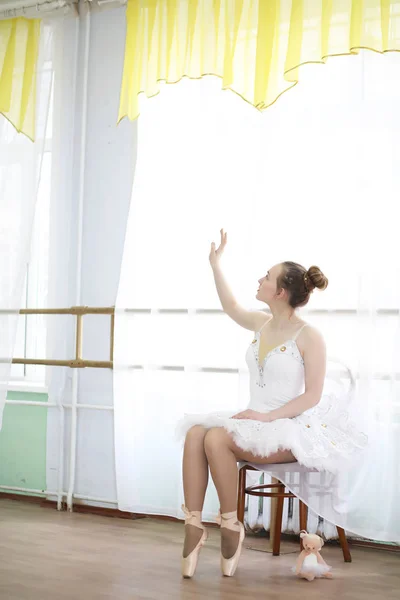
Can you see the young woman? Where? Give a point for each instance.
(287, 363)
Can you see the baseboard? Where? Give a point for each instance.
(94, 510)
(22, 497)
(78, 507)
(119, 514)
(375, 545)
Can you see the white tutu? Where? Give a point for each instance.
(321, 438)
(315, 443)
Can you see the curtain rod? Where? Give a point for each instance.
(102, 2)
(34, 10)
(37, 9)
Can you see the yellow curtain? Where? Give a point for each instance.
(19, 44)
(255, 46)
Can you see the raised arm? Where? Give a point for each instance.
(248, 319)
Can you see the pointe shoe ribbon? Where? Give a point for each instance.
(192, 517)
(228, 520)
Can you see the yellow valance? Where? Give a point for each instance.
(255, 46)
(19, 44)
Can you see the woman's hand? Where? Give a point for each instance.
(215, 254)
(253, 415)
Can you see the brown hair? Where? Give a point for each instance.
(300, 283)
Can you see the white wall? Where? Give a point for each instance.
(109, 161)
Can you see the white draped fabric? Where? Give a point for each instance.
(21, 163)
(314, 179)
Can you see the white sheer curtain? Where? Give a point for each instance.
(63, 231)
(314, 179)
(21, 164)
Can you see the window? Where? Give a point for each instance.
(31, 332)
(285, 186)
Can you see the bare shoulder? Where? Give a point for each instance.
(249, 319)
(261, 319)
(311, 338)
(312, 348)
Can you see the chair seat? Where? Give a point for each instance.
(293, 467)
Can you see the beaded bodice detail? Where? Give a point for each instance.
(278, 378)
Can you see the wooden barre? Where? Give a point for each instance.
(73, 364)
(74, 310)
(77, 311)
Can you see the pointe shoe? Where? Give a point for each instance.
(189, 563)
(230, 521)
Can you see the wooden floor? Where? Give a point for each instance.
(59, 556)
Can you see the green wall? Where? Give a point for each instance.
(23, 443)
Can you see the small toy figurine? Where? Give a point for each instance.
(310, 563)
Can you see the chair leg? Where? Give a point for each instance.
(241, 494)
(276, 548)
(344, 545)
(303, 519)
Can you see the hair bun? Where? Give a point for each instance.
(316, 279)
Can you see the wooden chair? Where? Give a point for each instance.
(280, 494)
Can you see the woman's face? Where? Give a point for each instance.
(268, 288)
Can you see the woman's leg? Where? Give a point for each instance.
(195, 480)
(223, 455)
(195, 468)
